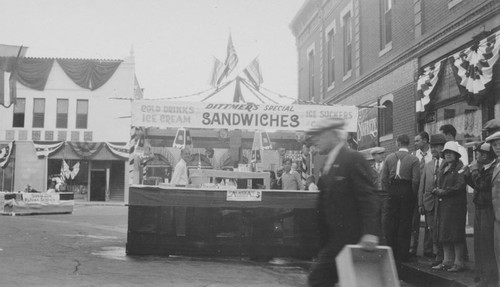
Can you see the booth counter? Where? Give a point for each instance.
(221, 222)
(36, 203)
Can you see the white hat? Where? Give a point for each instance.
(451, 146)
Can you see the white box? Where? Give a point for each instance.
(360, 268)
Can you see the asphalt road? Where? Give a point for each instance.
(87, 248)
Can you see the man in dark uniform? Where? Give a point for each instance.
(400, 177)
(478, 175)
(347, 205)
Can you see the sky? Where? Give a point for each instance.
(173, 41)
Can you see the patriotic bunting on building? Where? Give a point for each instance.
(473, 68)
(86, 150)
(254, 74)
(119, 150)
(426, 84)
(5, 153)
(43, 149)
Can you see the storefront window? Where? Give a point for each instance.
(466, 119)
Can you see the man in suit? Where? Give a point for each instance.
(494, 140)
(424, 155)
(378, 154)
(400, 177)
(347, 203)
(427, 202)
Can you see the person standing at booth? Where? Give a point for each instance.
(347, 204)
(290, 179)
(180, 176)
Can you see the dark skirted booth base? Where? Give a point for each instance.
(203, 222)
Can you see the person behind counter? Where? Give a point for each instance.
(290, 179)
(180, 176)
(30, 189)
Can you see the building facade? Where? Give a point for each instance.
(71, 122)
(414, 60)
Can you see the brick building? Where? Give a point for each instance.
(404, 55)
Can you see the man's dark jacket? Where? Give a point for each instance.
(348, 206)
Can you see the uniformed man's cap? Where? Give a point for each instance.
(437, 139)
(324, 125)
(377, 150)
(492, 126)
(495, 136)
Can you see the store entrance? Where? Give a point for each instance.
(97, 185)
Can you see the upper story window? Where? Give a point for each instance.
(385, 23)
(82, 113)
(310, 60)
(331, 57)
(62, 114)
(19, 113)
(347, 29)
(386, 118)
(38, 113)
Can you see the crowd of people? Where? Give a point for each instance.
(380, 199)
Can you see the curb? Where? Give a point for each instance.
(419, 272)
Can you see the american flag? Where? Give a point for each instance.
(231, 60)
(253, 73)
(217, 71)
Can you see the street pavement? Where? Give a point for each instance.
(87, 248)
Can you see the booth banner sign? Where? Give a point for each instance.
(40, 198)
(367, 135)
(244, 195)
(163, 114)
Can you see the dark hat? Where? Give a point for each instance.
(377, 150)
(437, 139)
(483, 147)
(325, 124)
(495, 136)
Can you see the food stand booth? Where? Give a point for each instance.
(223, 212)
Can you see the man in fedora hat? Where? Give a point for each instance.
(494, 140)
(427, 202)
(347, 203)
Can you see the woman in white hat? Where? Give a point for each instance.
(451, 209)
